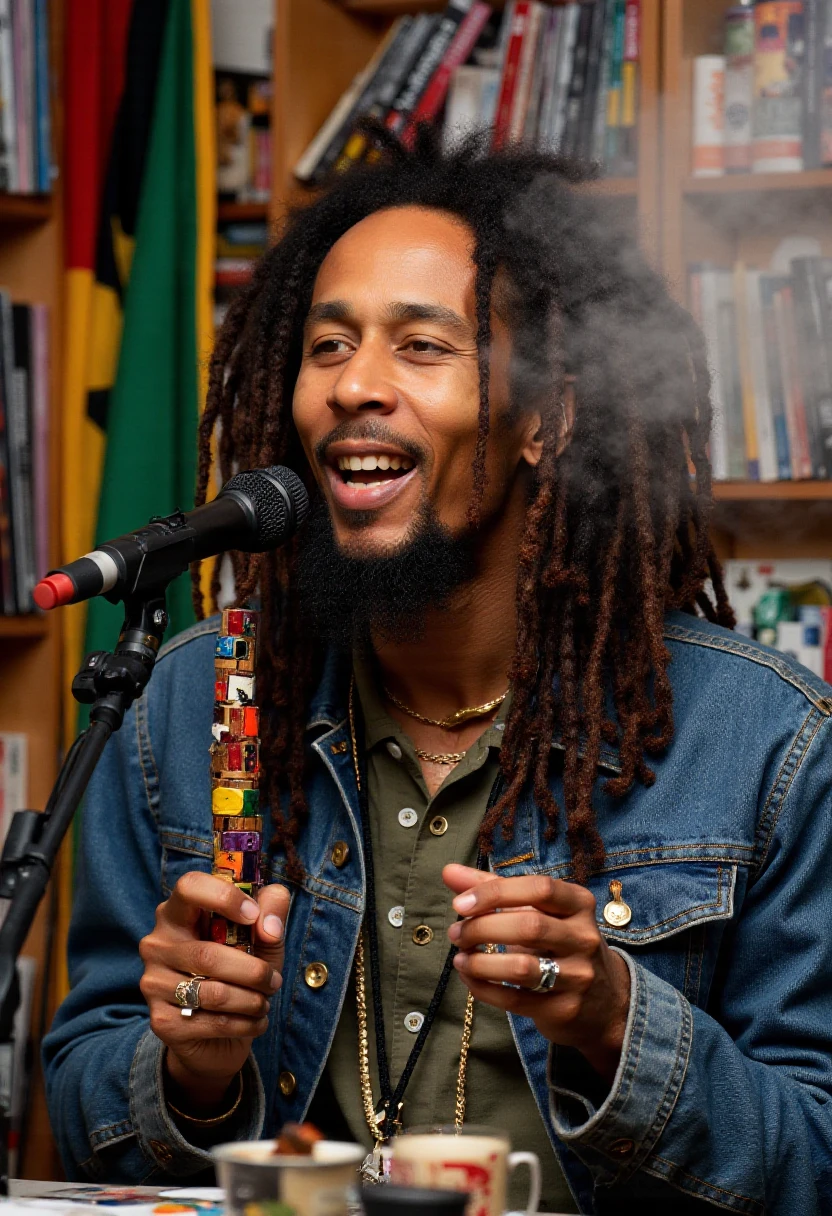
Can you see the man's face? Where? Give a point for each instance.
(386, 402)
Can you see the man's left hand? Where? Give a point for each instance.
(534, 916)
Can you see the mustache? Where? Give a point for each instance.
(372, 430)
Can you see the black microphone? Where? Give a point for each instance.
(254, 511)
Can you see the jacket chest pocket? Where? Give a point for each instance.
(670, 916)
(180, 854)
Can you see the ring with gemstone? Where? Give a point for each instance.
(549, 972)
(186, 994)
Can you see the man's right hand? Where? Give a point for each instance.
(207, 1050)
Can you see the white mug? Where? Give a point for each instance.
(473, 1159)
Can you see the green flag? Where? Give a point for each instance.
(149, 465)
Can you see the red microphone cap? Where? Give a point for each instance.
(54, 591)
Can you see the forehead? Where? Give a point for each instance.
(402, 253)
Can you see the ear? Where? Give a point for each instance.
(533, 445)
(532, 448)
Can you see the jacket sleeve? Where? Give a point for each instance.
(730, 1106)
(102, 1063)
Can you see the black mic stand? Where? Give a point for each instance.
(109, 682)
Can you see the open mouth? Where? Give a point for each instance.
(371, 470)
(361, 478)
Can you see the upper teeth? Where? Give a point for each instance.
(369, 463)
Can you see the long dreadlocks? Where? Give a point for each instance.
(616, 531)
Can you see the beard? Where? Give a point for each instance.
(348, 599)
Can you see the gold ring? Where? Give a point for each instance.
(186, 994)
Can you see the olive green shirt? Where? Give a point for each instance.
(414, 836)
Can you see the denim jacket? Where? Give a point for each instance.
(722, 1095)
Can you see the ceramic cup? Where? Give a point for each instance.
(473, 1159)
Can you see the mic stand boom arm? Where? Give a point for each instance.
(109, 682)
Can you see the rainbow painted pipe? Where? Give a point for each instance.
(235, 768)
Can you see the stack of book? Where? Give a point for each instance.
(564, 78)
(25, 129)
(239, 245)
(24, 470)
(765, 105)
(769, 342)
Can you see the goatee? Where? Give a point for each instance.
(347, 599)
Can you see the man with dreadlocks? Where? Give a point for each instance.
(515, 760)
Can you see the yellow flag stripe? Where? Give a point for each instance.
(206, 196)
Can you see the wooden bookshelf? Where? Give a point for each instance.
(31, 268)
(723, 220)
(321, 44)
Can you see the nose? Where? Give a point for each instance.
(364, 385)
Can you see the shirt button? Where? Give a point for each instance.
(287, 1083)
(438, 825)
(396, 916)
(413, 1022)
(407, 817)
(422, 935)
(316, 975)
(394, 750)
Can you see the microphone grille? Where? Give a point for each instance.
(279, 498)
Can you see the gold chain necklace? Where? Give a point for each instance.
(447, 758)
(372, 1164)
(455, 719)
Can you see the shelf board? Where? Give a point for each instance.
(388, 8)
(25, 208)
(773, 491)
(754, 183)
(22, 627)
(242, 212)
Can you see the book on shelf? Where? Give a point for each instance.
(777, 96)
(239, 245)
(769, 342)
(24, 452)
(25, 119)
(243, 123)
(565, 78)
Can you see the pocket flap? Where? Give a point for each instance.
(664, 898)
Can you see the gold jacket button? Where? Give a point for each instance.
(617, 913)
(438, 825)
(422, 935)
(287, 1083)
(316, 975)
(340, 853)
(162, 1152)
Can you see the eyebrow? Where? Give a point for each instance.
(400, 310)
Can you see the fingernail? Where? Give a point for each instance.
(460, 960)
(454, 931)
(464, 903)
(273, 925)
(249, 910)
(277, 981)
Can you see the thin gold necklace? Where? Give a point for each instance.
(370, 1169)
(457, 718)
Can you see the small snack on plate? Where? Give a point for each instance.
(296, 1140)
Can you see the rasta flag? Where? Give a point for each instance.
(140, 219)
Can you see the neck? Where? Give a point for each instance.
(463, 653)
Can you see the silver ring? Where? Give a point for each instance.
(186, 994)
(549, 972)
